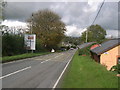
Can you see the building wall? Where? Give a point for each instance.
(95, 57)
(110, 57)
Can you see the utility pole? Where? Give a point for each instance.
(31, 34)
(31, 31)
(1, 10)
(86, 36)
(3, 4)
(94, 20)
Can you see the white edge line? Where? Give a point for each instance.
(62, 73)
(15, 72)
(15, 61)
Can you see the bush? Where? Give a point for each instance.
(12, 44)
(64, 48)
(85, 50)
(73, 47)
(68, 47)
(39, 47)
(116, 68)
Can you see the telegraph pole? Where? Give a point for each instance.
(86, 36)
(3, 4)
(94, 19)
(31, 31)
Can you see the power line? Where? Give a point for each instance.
(98, 12)
(94, 19)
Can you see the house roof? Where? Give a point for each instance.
(106, 46)
(94, 46)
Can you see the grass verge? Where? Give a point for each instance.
(22, 56)
(83, 72)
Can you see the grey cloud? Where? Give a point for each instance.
(108, 17)
(71, 13)
(22, 10)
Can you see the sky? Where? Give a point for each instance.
(76, 15)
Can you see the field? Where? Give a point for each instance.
(84, 72)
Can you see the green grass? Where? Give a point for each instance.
(83, 72)
(22, 56)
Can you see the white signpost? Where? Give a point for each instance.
(30, 40)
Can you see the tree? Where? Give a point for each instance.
(2, 7)
(48, 27)
(95, 33)
(72, 40)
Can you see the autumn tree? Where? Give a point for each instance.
(95, 33)
(48, 27)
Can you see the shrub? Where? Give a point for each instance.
(12, 44)
(39, 47)
(73, 47)
(85, 50)
(116, 68)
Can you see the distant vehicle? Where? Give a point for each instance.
(52, 50)
(63, 49)
(71, 48)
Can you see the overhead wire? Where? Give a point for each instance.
(95, 19)
(98, 12)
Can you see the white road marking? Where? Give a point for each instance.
(62, 73)
(15, 72)
(58, 55)
(45, 61)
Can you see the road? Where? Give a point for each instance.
(38, 72)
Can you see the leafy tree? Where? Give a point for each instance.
(72, 40)
(95, 33)
(4, 29)
(48, 27)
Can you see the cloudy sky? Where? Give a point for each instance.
(76, 15)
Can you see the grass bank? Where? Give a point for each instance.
(22, 56)
(83, 72)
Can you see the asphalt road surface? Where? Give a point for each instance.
(38, 72)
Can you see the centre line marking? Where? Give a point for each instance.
(45, 60)
(15, 72)
(58, 55)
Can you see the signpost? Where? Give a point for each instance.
(30, 40)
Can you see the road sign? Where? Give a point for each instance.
(30, 40)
